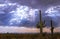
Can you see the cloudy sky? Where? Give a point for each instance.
(18, 13)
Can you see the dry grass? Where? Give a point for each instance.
(28, 36)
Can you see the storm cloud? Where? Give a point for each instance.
(43, 5)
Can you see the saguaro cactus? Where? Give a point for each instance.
(52, 28)
(40, 24)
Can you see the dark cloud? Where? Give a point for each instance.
(37, 3)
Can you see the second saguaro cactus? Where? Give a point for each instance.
(52, 28)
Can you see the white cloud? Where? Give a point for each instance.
(18, 12)
(53, 11)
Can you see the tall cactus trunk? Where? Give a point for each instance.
(41, 30)
(41, 24)
(52, 28)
